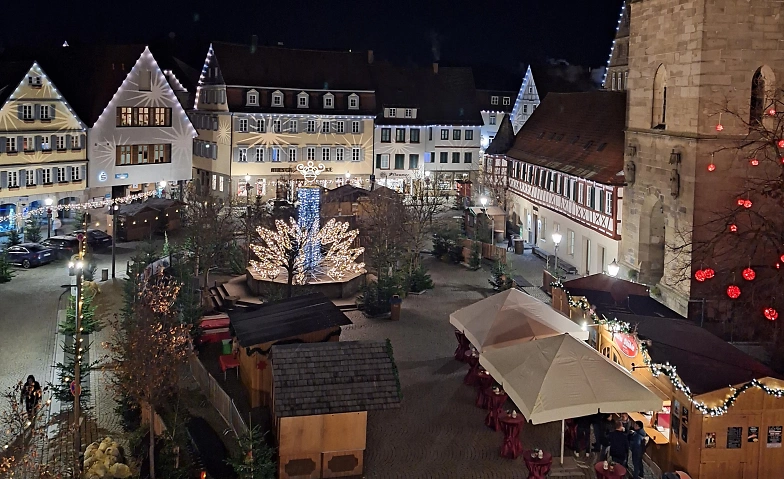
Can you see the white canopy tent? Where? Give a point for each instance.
(560, 377)
(511, 317)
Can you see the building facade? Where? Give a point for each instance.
(526, 102)
(681, 67)
(617, 75)
(494, 105)
(262, 112)
(565, 174)
(42, 144)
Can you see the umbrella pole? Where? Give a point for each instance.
(563, 431)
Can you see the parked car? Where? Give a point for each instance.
(97, 240)
(63, 246)
(30, 254)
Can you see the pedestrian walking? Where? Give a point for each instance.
(582, 443)
(638, 440)
(619, 445)
(510, 243)
(31, 396)
(57, 225)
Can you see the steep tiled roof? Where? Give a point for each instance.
(504, 138)
(446, 97)
(326, 378)
(285, 319)
(576, 133)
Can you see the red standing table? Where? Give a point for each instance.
(483, 382)
(511, 427)
(228, 361)
(538, 468)
(495, 404)
(463, 346)
(473, 362)
(618, 471)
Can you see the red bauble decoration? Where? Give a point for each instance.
(771, 111)
(734, 228)
(749, 274)
(782, 258)
(747, 204)
(741, 201)
(719, 127)
(771, 314)
(699, 275)
(780, 143)
(733, 291)
(711, 167)
(709, 273)
(754, 162)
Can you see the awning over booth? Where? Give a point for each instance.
(561, 377)
(511, 317)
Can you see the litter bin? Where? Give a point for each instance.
(226, 346)
(519, 245)
(395, 302)
(105, 274)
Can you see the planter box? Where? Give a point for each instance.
(547, 278)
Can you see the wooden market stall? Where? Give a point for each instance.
(310, 318)
(694, 373)
(137, 221)
(322, 393)
(494, 218)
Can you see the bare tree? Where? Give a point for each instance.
(381, 215)
(427, 198)
(148, 349)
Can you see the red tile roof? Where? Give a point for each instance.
(581, 134)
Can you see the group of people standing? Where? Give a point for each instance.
(614, 438)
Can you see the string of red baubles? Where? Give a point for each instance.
(733, 290)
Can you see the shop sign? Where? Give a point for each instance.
(626, 343)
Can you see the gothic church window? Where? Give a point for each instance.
(659, 113)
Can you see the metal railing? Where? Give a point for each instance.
(217, 396)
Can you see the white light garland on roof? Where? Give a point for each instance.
(612, 48)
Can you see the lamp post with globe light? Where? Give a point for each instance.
(483, 200)
(48, 202)
(115, 210)
(613, 268)
(556, 240)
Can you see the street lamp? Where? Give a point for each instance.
(115, 210)
(48, 202)
(557, 240)
(613, 268)
(483, 200)
(247, 218)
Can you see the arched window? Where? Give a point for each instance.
(761, 94)
(659, 111)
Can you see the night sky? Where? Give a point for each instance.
(500, 33)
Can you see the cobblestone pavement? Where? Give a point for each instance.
(438, 432)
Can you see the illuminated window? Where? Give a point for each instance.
(142, 154)
(126, 116)
(142, 116)
(28, 143)
(46, 143)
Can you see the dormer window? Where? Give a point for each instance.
(507, 101)
(302, 100)
(392, 112)
(353, 101)
(253, 98)
(277, 98)
(409, 113)
(494, 100)
(329, 100)
(34, 81)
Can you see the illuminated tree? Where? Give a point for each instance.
(23, 438)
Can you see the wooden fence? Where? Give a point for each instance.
(489, 251)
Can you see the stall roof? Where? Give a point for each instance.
(490, 210)
(156, 204)
(286, 318)
(704, 361)
(327, 378)
(615, 295)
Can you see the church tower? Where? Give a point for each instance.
(687, 60)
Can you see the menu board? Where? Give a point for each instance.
(753, 435)
(734, 437)
(774, 436)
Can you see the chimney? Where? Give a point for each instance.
(435, 67)
(370, 57)
(254, 43)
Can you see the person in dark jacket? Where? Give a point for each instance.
(583, 440)
(637, 441)
(602, 426)
(31, 395)
(619, 445)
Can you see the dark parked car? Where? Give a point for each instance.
(97, 240)
(30, 254)
(63, 246)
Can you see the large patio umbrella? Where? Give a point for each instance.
(511, 317)
(560, 377)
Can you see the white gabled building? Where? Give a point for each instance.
(526, 102)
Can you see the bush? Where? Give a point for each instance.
(502, 276)
(375, 295)
(6, 273)
(418, 280)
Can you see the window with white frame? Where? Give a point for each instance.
(242, 155)
(340, 127)
(261, 125)
(259, 154)
(325, 127)
(392, 112)
(143, 154)
(354, 127)
(29, 177)
(293, 125)
(61, 175)
(469, 134)
(253, 98)
(220, 183)
(46, 176)
(45, 112)
(492, 119)
(408, 113)
(214, 182)
(27, 112)
(76, 173)
(353, 101)
(277, 98)
(580, 188)
(76, 142)
(444, 134)
(34, 81)
(292, 153)
(60, 142)
(311, 152)
(10, 144)
(28, 143)
(570, 242)
(125, 155)
(324, 154)
(276, 126)
(530, 89)
(356, 154)
(13, 179)
(384, 162)
(608, 202)
(311, 128)
(339, 153)
(302, 100)
(276, 154)
(507, 101)
(329, 100)
(46, 144)
(242, 125)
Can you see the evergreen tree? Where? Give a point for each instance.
(502, 276)
(256, 459)
(14, 238)
(6, 273)
(90, 323)
(166, 248)
(475, 260)
(32, 229)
